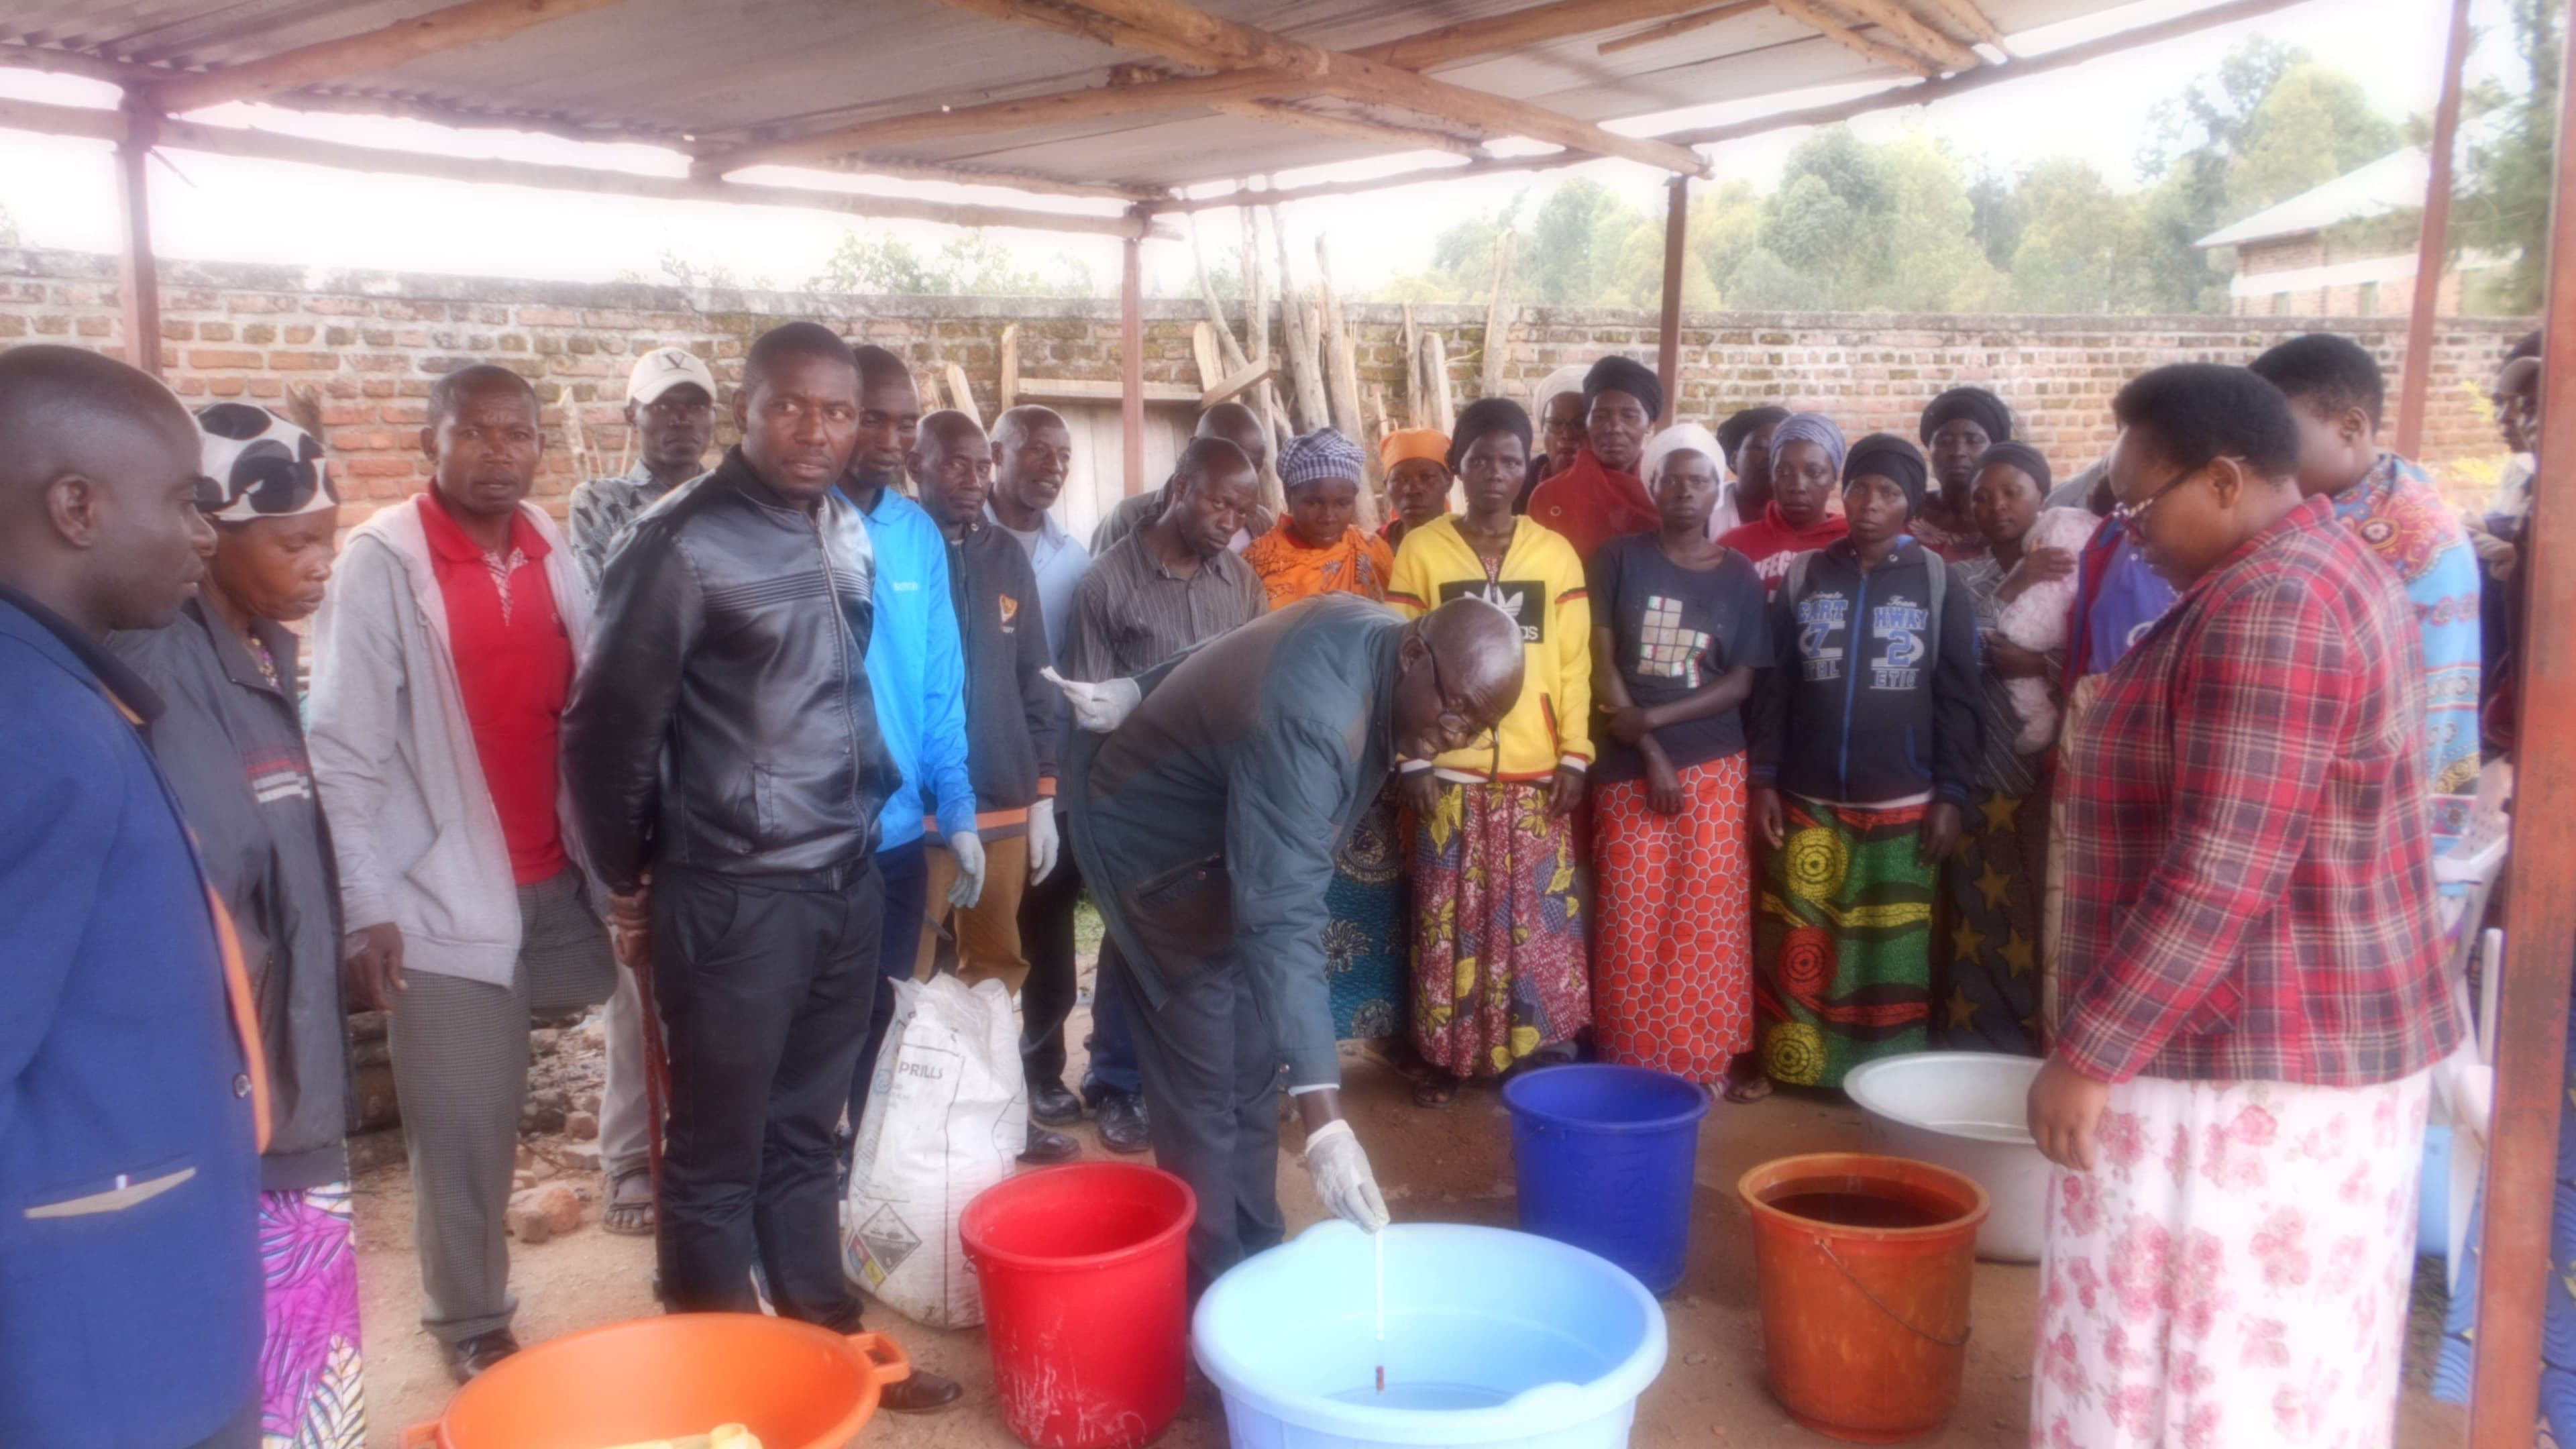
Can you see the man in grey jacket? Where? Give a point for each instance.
(723, 747)
(1209, 818)
(442, 658)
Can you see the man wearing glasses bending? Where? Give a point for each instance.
(1209, 797)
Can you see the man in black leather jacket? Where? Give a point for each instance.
(722, 745)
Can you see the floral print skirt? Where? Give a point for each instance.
(1498, 955)
(2234, 1271)
(311, 1387)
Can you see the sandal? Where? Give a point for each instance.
(1437, 1094)
(629, 1216)
(1750, 1089)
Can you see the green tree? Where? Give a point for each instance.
(1577, 238)
(1999, 212)
(2081, 249)
(968, 264)
(2504, 204)
(2314, 125)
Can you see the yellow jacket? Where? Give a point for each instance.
(1541, 584)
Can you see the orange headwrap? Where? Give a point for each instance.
(1429, 443)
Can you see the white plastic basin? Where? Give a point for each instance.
(1966, 1111)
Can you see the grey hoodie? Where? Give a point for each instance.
(418, 837)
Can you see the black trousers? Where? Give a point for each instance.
(1211, 1080)
(765, 985)
(1047, 998)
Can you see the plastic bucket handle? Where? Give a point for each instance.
(887, 1362)
(420, 1434)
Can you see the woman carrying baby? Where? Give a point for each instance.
(1993, 884)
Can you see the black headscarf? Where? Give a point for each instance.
(1732, 433)
(2018, 455)
(1628, 375)
(1973, 403)
(1889, 456)
(1485, 415)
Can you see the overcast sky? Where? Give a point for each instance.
(218, 208)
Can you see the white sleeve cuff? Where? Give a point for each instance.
(1411, 767)
(1574, 762)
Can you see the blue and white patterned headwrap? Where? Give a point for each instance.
(1813, 428)
(1323, 453)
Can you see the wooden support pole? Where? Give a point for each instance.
(1131, 366)
(2432, 245)
(1007, 395)
(1668, 334)
(475, 22)
(1498, 321)
(138, 271)
(546, 176)
(2517, 1272)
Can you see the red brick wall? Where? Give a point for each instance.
(368, 345)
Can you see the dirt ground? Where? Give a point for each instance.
(1452, 1166)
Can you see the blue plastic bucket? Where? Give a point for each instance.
(1603, 1158)
(1492, 1338)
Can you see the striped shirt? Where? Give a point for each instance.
(1131, 613)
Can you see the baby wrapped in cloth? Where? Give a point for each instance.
(2037, 619)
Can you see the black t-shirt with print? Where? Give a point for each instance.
(1677, 630)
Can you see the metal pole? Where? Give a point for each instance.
(2540, 912)
(1131, 365)
(138, 274)
(1668, 338)
(2432, 245)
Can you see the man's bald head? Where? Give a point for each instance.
(1240, 426)
(1459, 674)
(952, 464)
(98, 490)
(1032, 456)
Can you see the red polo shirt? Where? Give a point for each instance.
(514, 665)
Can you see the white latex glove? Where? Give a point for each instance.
(1099, 708)
(968, 847)
(1043, 843)
(1342, 1176)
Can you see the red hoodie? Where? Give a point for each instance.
(1771, 543)
(1591, 505)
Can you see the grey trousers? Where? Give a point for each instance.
(625, 1119)
(460, 1055)
(1211, 1075)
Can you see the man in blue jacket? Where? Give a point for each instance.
(917, 669)
(129, 1109)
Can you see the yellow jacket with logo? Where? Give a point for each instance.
(1540, 584)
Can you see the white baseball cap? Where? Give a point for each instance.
(663, 369)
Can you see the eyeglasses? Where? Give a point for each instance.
(2128, 515)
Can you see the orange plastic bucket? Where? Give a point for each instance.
(1863, 1265)
(794, 1385)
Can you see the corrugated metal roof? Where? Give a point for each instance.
(668, 68)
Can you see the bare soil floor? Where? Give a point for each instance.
(1452, 1166)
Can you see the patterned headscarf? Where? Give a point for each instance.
(1323, 453)
(262, 465)
(1813, 428)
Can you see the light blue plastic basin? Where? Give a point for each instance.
(1493, 1338)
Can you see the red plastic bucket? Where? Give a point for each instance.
(1085, 1281)
(1863, 1266)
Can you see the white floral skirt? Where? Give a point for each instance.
(2234, 1271)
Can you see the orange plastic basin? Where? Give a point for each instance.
(793, 1384)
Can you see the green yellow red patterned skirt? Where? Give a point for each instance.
(1498, 951)
(1843, 942)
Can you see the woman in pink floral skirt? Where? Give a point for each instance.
(2252, 1003)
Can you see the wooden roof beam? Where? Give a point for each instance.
(1973, 21)
(1352, 78)
(242, 141)
(1913, 35)
(473, 23)
(1831, 27)
(1893, 98)
(1681, 25)
(1355, 128)
(1516, 29)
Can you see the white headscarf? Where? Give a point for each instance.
(1568, 378)
(1692, 438)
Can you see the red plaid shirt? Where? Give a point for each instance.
(2249, 884)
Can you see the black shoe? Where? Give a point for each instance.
(1050, 1105)
(922, 1393)
(469, 1357)
(1046, 1147)
(1121, 1119)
